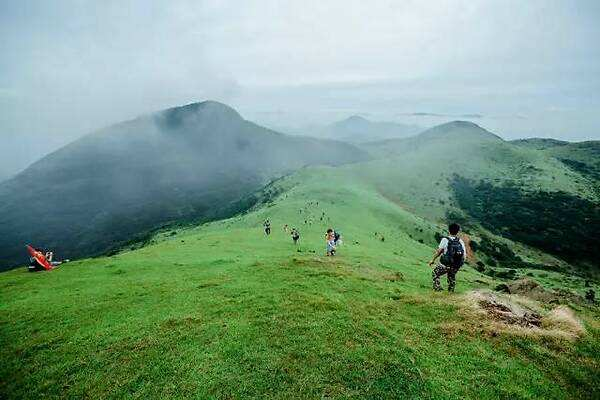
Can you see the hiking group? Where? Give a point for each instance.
(451, 251)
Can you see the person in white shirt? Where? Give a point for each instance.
(453, 254)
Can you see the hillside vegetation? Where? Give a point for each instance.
(224, 311)
(421, 173)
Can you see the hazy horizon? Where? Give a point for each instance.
(517, 69)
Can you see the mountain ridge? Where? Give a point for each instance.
(184, 163)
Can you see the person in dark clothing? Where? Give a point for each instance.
(295, 235)
(34, 265)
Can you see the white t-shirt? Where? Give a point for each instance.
(444, 245)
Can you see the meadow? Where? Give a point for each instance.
(223, 311)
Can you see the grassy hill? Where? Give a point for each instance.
(192, 163)
(539, 143)
(220, 310)
(223, 311)
(458, 170)
(580, 157)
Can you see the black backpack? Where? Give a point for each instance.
(454, 256)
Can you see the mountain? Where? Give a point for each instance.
(461, 171)
(455, 131)
(196, 162)
(357, 129)
(458, 130)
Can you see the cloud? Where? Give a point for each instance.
(428, 114)
(68, 68)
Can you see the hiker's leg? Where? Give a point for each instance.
(438, 271)
(451, 279)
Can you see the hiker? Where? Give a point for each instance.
(453, 254)
(330, 240)
(295, 235)
(267, 225)
(285, 228)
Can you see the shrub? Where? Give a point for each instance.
(556, 222)
(480, 266)
(503, 287)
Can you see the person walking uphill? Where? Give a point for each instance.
(330, 240)
(453, 254)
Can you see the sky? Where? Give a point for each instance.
(517, 68)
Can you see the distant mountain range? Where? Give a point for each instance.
(357, 129)
(195, 162)
(203, 161)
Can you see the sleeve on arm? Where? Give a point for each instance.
(443, 243)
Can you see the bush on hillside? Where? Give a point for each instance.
(556, 222)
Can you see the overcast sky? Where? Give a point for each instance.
(518, 68)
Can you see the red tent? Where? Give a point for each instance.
(39, 257)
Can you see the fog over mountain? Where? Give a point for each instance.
(192, 163)
(519, 68)
(357, 129)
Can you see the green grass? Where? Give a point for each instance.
(222, 311)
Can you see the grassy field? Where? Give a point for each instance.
(223, 311)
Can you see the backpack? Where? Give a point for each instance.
(454, 254)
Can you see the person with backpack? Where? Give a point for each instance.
(453, 254)
(295, 235)
(267, 226)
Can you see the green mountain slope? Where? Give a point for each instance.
(539, 143)
(190, 163)
(421, 174)
(581, 157)
(223, 311)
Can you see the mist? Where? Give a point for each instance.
(197, 163)
(519, 69)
